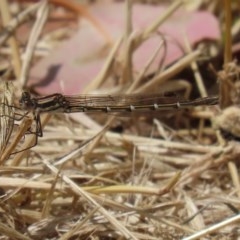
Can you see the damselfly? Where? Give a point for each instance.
(106, 104)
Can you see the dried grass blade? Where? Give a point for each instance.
(6, 113)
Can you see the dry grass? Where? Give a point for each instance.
(149, 182)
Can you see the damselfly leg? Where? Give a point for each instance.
(35, 130)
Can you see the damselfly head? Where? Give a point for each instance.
(26, 101)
